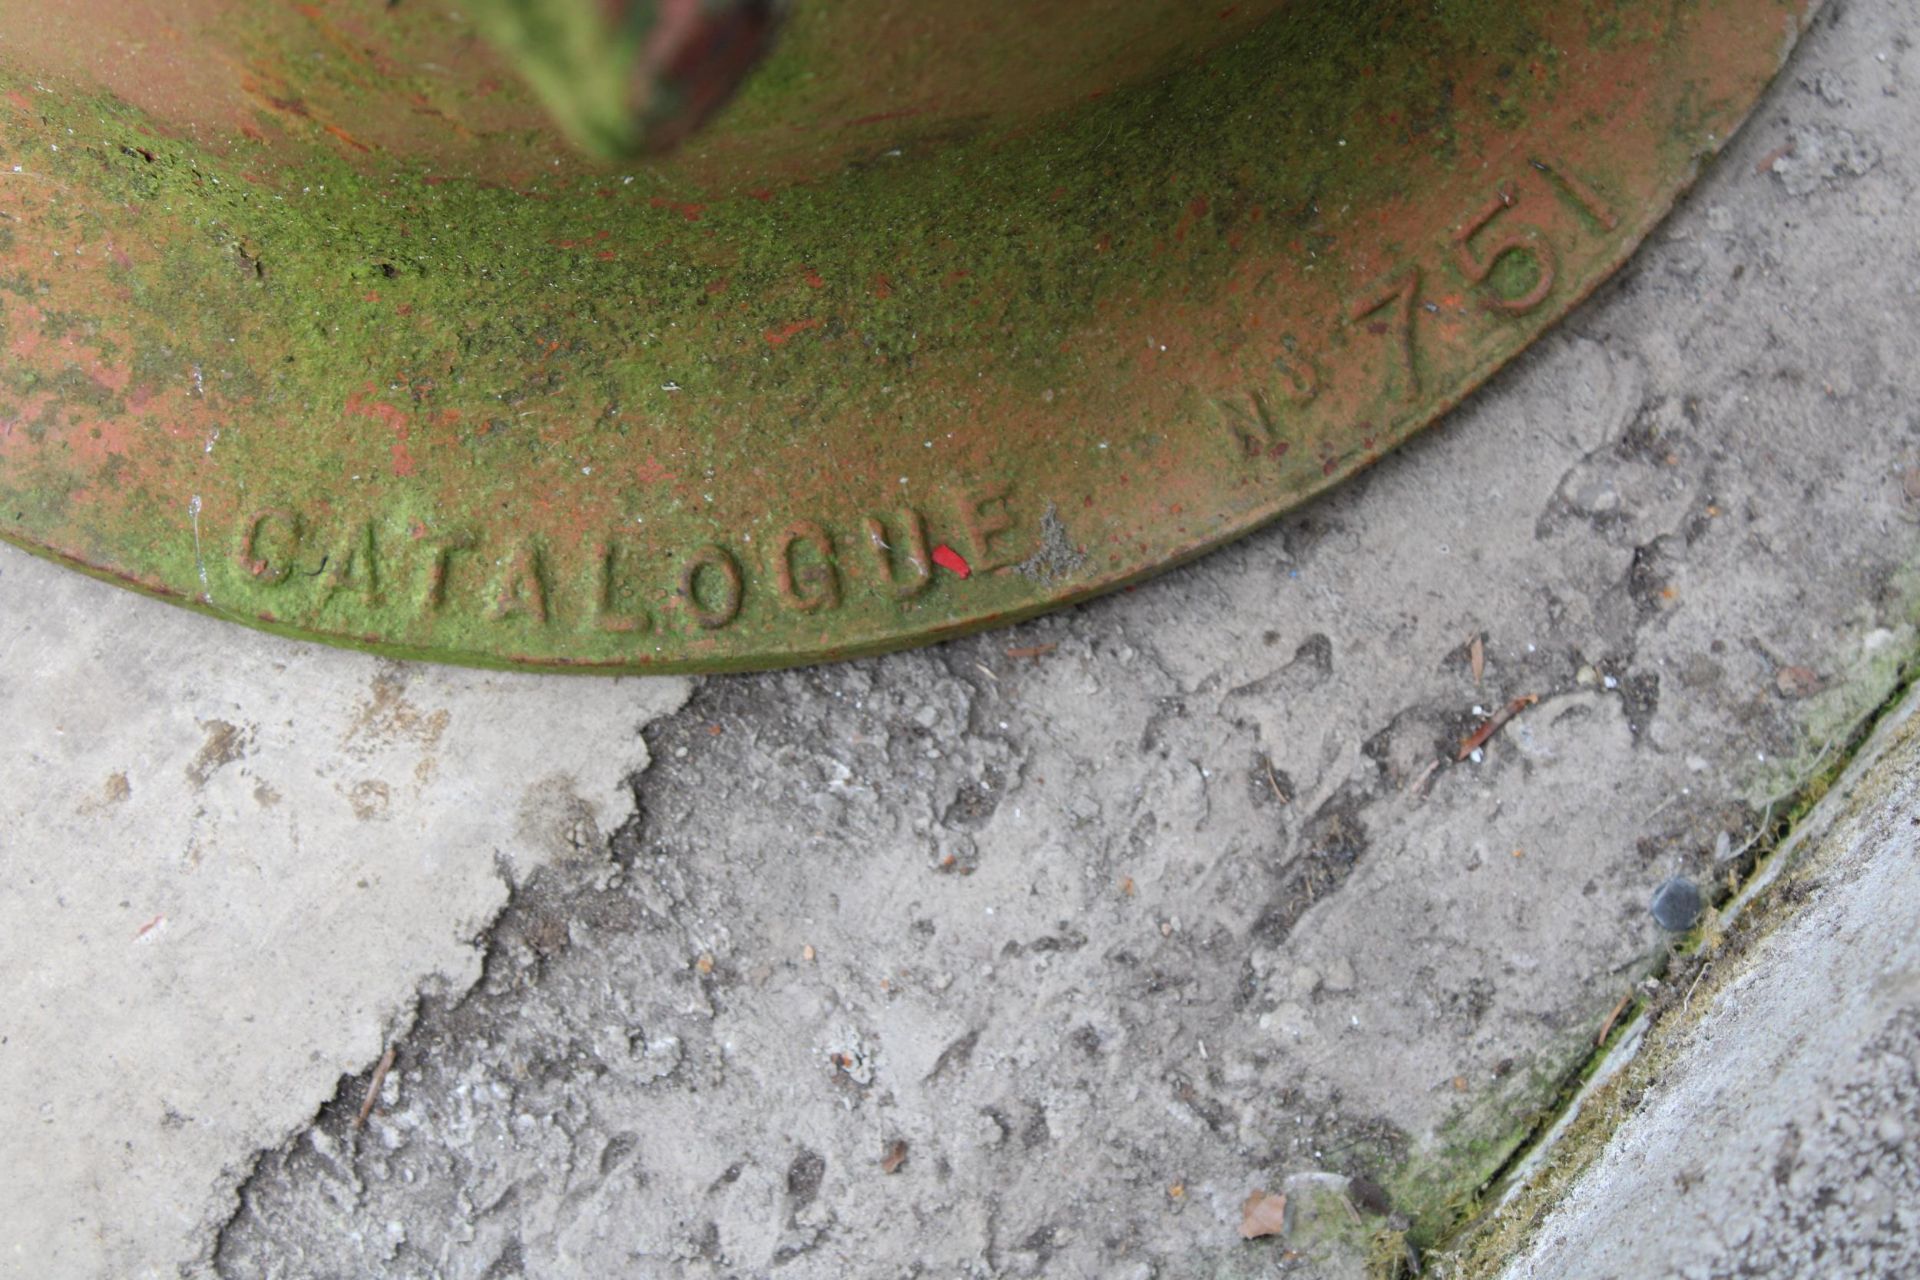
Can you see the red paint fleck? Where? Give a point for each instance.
(952, 561)
(813, 279)
(687, 209)
(787, 332)
(418, 529)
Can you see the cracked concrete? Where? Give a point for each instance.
(232, 863)
(1033, 954)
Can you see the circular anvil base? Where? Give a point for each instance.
(1047, 325)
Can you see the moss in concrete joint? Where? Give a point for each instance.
(1698, 968)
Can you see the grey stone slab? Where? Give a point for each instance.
(1779, 1137)
(231, 862)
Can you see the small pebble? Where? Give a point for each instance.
(1676, 904)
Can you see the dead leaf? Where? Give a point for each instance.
(1797, 682)
(895, 1157)
(1264, 1214)
(1477, 657)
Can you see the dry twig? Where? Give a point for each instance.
(373, 1087)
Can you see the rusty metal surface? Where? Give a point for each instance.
(953, 316)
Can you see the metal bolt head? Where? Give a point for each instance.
(1676, 904)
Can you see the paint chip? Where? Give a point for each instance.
(952, 561)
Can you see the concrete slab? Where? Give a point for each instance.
(1775, 1137)
(1100, 925)
(231, 863)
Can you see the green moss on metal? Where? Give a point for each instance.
(936, 274)
(504, 270)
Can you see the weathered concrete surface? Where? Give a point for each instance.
(230, 862)
(1115, 919)
(1779, 1136)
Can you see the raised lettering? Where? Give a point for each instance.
(1584, 197)
(1523, 239)
(982, 525)
(914, 552)
(1252, 418)
(270, 543)
(440, 568)
(607, 613)
(522, 589)
(354, 566)
(1249, 421)
(814, 584)
(1400, 293)
(708, 563)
